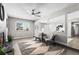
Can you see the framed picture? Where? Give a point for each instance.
(19, 26)
(60, 28)
(22, 26)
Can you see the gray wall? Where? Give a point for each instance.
(19, 34)
(61, 38)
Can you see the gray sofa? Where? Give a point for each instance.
(61, 38)
(57, 37)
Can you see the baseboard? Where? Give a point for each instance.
(60, 43)
(22, 37)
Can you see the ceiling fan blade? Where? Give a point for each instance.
(38, 13)
(33, 11)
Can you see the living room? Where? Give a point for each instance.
(34, 27)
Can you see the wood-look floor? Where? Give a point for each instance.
(74, 43)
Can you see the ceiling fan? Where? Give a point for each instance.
(36, 13)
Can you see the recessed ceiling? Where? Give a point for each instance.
(24, 10)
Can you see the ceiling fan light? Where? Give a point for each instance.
(33, 10)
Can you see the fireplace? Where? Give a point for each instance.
(2, 38)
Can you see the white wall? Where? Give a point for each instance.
(68, 28)
(54, 22)
(19, 34)
(73, 15)
(3, 26)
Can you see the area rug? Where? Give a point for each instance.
(37, 48)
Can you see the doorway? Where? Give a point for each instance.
(75, 29)
(74, 43)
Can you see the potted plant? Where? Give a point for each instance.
(1, 52)
(9, 38)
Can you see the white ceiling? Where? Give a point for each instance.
(23, 10)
